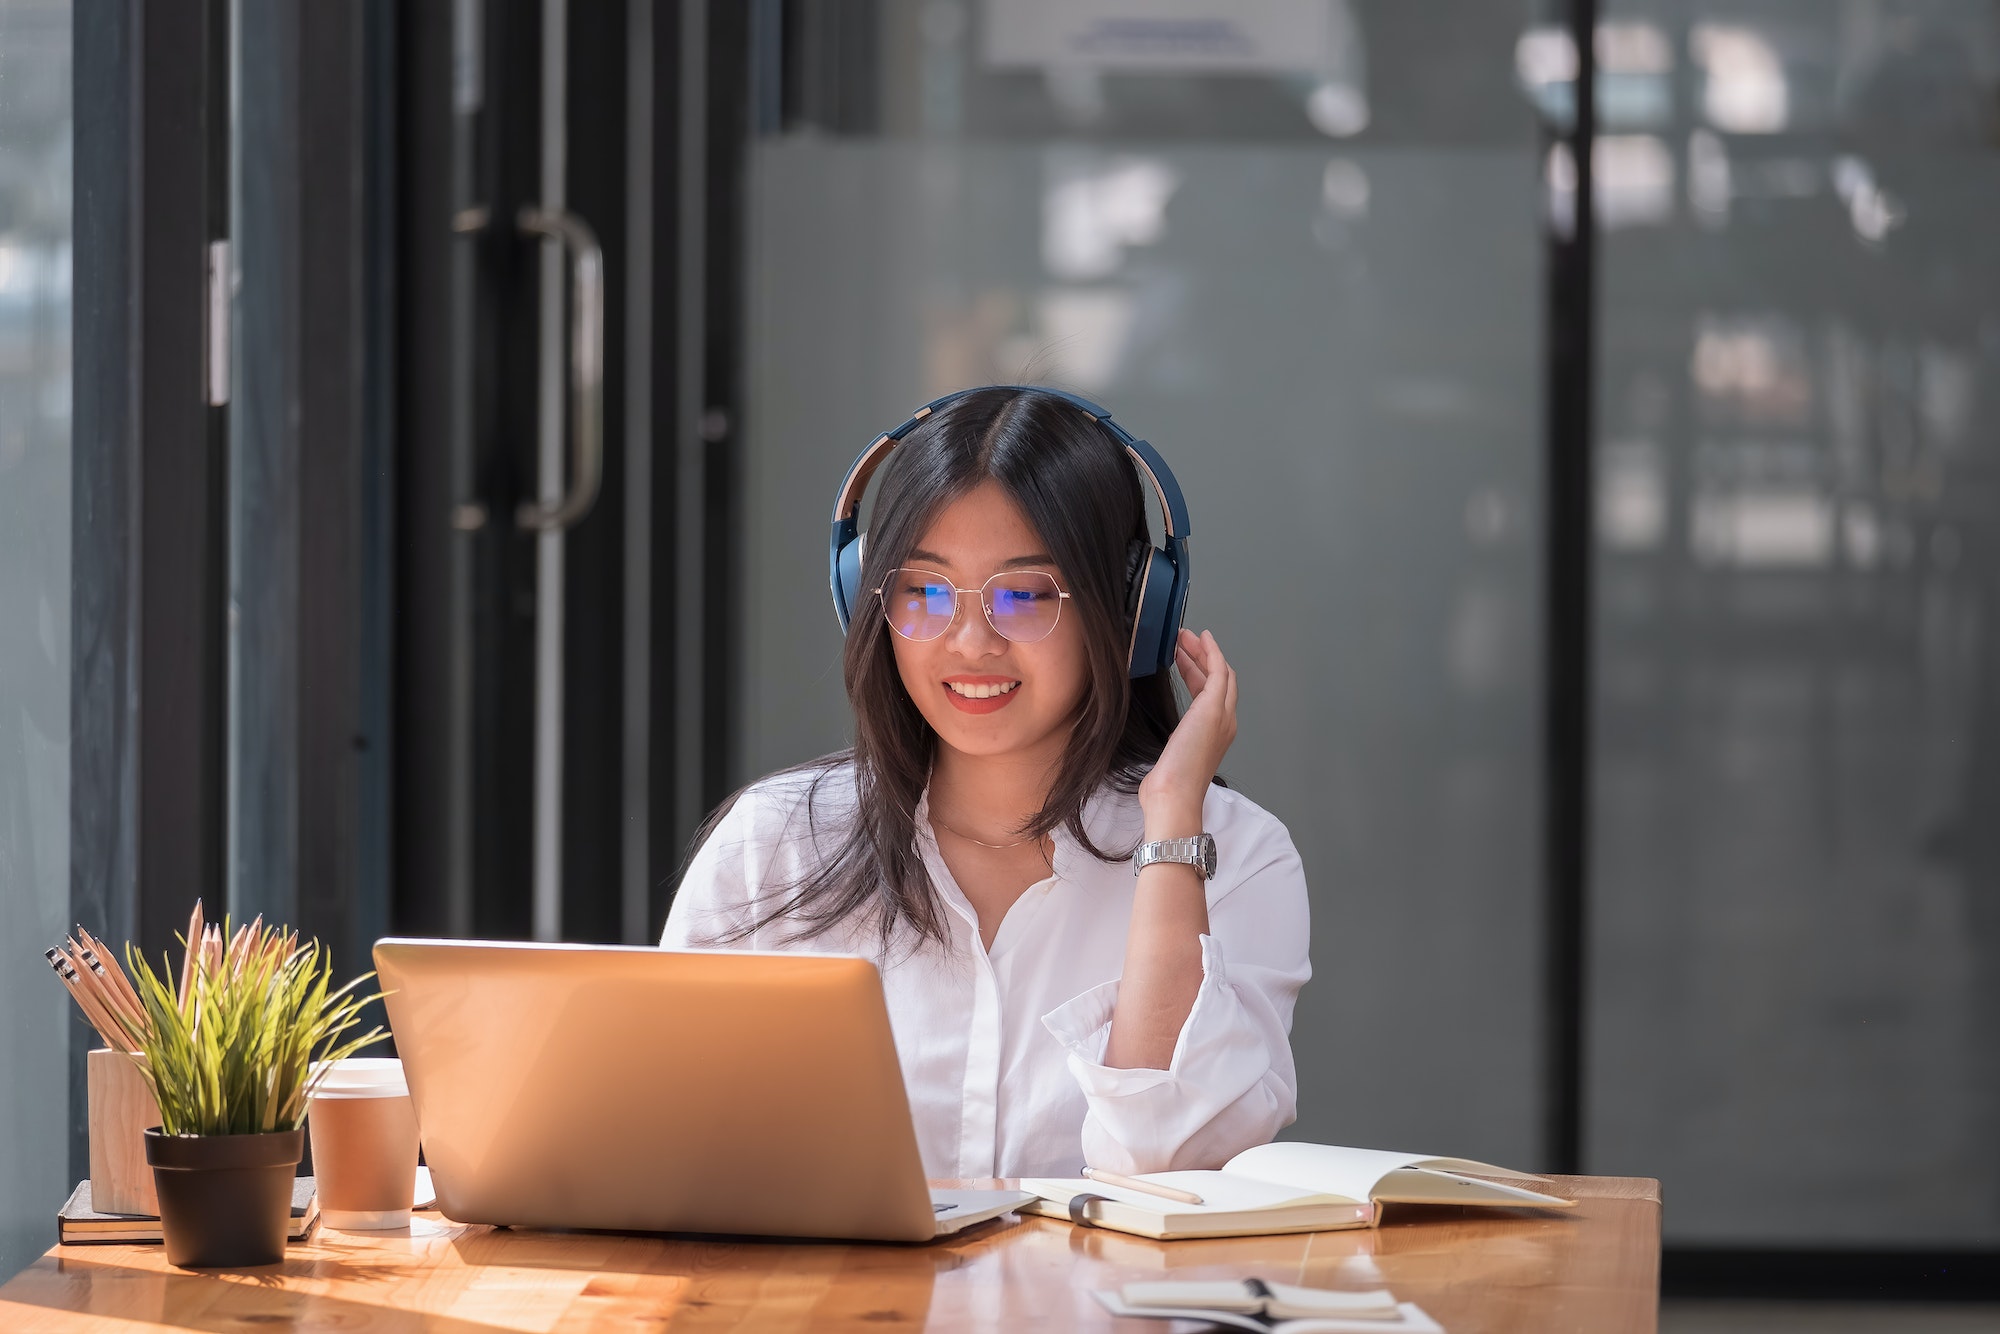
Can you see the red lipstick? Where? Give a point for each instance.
(989, 704)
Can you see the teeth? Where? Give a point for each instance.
(980, 692)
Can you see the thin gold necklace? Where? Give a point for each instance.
(995, 847)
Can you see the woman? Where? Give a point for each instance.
(1050, 1007)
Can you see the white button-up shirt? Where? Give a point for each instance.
(1002, 1049)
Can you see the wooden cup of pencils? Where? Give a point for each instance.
(121, 1111)
(121, 1106)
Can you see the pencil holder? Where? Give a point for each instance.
(121, 1110)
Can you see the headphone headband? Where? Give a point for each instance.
(847, 501)
(1161, 600)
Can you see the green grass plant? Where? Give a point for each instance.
(238, 1046)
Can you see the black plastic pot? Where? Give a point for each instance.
(225, 1200)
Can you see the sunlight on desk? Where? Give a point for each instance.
(1491, 1271)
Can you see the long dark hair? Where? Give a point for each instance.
(1077, 486)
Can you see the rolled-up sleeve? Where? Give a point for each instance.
(1231, 1082)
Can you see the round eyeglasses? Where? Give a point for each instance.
(1021, 605)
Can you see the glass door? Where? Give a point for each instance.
(527, 676)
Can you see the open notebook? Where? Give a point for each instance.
(1280, 1309)
(1287, 1188)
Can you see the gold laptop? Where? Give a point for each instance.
(592, 1086)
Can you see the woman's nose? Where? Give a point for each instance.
(971, 635)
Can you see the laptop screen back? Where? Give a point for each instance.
(643, 1089)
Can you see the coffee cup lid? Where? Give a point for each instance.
(363, 1077)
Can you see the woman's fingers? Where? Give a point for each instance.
(1211, 683)
(1192, 670)
(1222, 679)
(1214, 665)
(1211, 680)
(1188, 762)
(1194, 676)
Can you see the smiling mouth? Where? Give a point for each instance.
(988, 696)
(968, 690)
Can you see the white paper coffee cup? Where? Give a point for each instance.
(363, 1077)
(364, 1143)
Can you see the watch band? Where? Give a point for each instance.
(1198, 852)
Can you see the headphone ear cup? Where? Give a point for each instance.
(1152, 601)
(1135, 564)
(849, 565)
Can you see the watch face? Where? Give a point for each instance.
(1207, 857)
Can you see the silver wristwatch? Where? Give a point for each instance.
(1198, 852)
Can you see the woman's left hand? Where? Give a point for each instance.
(1174, 790)
(1163, 951)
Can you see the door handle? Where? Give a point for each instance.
(586, 368)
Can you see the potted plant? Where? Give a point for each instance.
(231, 1055)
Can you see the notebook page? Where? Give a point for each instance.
(1323, 1167)
(1299, 1301)
(1221, 1192)
(1430, 1185)
(1286, 1300)
(1227, 1295)
(1409, 1318)
(1367, 1173)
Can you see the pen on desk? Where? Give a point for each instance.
(1143, 1187)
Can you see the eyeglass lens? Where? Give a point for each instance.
(1021, 605)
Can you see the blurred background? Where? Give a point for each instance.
(418, 425)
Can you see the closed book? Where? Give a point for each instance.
(77, 1224)
(1276, 1188)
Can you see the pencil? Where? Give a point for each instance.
(130, 1017)
(239, 947)
(1143, 1187)
(85, 995)
(193, 942)
(127, 1029)
(122, 983)
(107, 1027)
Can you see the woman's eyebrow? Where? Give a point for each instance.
(1012, 562)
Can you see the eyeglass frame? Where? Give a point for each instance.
(985, 609)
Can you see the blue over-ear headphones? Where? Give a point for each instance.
(1156, 581)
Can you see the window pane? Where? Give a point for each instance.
(1317, 288)
(1796, 959)
(34, 616)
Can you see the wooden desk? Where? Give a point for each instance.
(1594, 1270)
